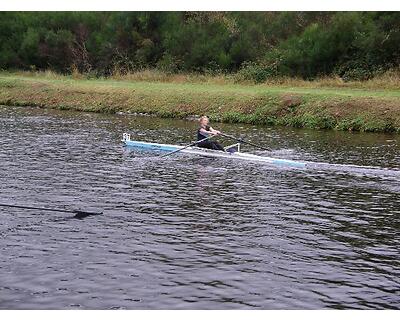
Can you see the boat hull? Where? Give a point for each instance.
(213, 153)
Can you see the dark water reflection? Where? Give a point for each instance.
(185, 232)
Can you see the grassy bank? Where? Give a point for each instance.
(354, 106)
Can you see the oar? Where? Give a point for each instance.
(246, 142)
(190, 145)
(78, 213)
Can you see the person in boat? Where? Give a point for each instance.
(205, 131)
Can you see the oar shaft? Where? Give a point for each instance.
(47, 209)
(246, 142)
(190, 145)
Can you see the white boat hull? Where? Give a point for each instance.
(211, 153)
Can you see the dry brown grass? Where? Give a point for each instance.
(47, 74)
(154, 75)
(387, 80)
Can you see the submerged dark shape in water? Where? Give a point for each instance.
(83, 214)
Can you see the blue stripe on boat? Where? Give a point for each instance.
(150, 146)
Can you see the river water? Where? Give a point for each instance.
(187, 232)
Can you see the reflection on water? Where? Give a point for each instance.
(193, 232)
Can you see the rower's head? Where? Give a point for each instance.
(204, 121)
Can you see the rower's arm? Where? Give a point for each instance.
(213, 131)
(206, 132)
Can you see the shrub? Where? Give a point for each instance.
(254, 72)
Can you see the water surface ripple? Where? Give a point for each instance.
(194, 233)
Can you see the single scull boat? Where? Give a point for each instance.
(211, 153)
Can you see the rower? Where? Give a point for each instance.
(205, 131)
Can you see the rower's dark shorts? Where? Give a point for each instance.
(211, 145)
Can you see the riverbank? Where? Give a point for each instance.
(315, 107)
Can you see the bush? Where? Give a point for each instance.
(354, 71)
(168, 64)
(254, 72)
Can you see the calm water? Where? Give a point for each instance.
(191, 232)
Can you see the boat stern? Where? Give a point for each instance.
(126, 137)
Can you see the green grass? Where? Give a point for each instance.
(309, 106)
(201, 87)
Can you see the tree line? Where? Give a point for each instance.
(257, 45)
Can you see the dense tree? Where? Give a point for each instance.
(258, 44)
